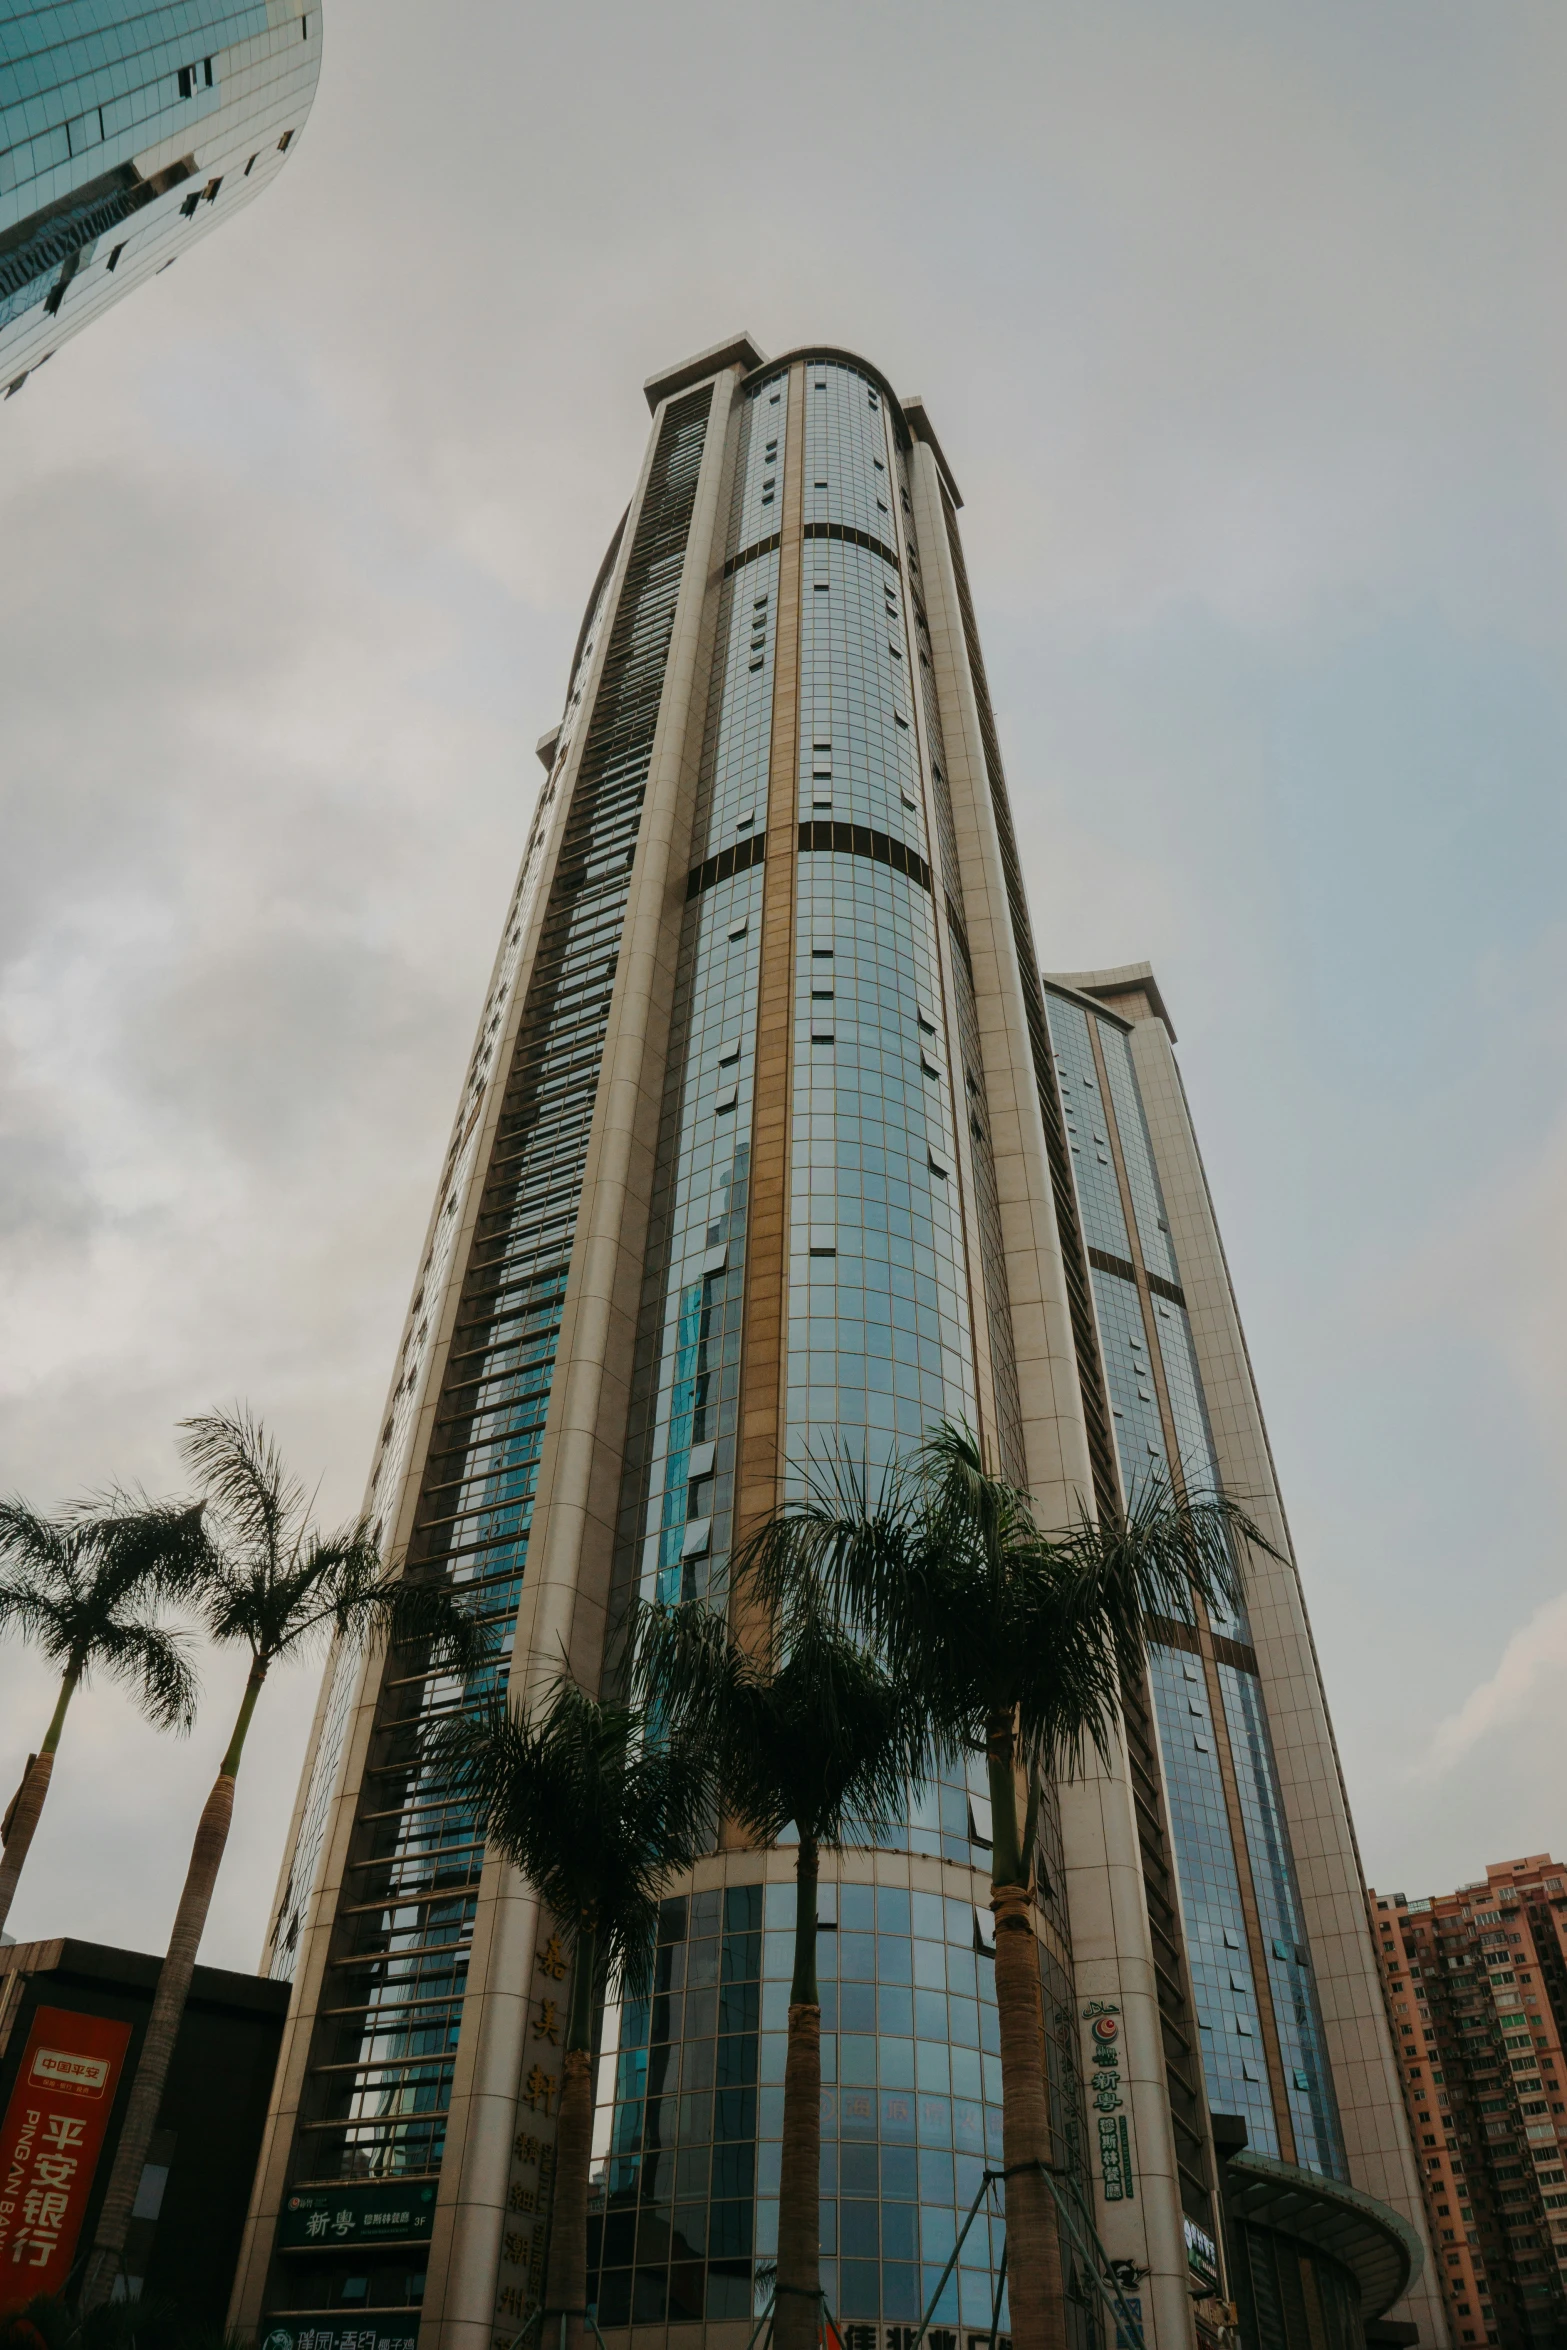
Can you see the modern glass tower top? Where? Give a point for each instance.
(127, 130)
(774, 1140)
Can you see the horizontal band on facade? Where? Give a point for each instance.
(749, 555)
(858, 840)
(1167, 1632)
(736, 859)
(854, 538)
(1125, 1270)
(1104, 1262)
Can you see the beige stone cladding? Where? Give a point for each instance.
(565, 1593)
(1111, 1942)
(1365, 2073)
(575, 1504)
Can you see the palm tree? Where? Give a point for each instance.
(813, 1731)
(597, 1815)
(79, 1588)
(276, 1586)
(1015, 1640)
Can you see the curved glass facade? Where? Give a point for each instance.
(880, 1270)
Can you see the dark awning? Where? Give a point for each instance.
(1380, 2249)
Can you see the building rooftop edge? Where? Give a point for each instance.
(138, 1969)
(744, 351)
(1118, 979)
(741, 350)
(917, 416)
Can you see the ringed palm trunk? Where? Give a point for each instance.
(168, 2009)
(796, 2303)
(1034, 2281)
(29, 1804)
(566, 2285)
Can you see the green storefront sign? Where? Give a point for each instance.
(369, 2333)
(348, 2217)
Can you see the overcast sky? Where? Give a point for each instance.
(1241, 325)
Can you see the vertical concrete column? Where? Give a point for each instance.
(1059, 1469)
(1111, 1943)
(759, 1448)
(561, 1619)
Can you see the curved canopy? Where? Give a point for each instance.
(1381, 2250)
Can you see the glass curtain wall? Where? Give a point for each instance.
(880, 1344)
(89, 94)
(1259, 2021)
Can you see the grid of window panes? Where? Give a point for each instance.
(1088, 1137)
(1134, 1404)
(880, 1346)
(758, 499)
(1142, 1176)
(859, 758)
(972, 1104)
(737, 736)
(1193, 1435)
(94, 98)
(1234, 2066)
(379, 2085)
(677, 1489)
(679, 1480)
(688, 2130)
(1308, 2082)
(732, 794)
(846, 451)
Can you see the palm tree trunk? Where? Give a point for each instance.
(796, 2303)
(168, 2009)
(1034, 2282)
(29, 1804)
(566, 2285)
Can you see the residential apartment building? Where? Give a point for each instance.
(1476, 1989)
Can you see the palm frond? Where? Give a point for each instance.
(815, 1729)
(594, 1813)
(244, 1476)
(29, 1541)
(154, 1665)
(420, 1613)
(78, 1587)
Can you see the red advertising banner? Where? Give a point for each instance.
(50, 2143)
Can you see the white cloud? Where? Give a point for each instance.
(1522, 1697)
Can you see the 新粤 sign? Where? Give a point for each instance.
(50, 2142)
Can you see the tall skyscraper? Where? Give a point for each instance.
(1476, 1988)
(774, 1137)
(129, 128)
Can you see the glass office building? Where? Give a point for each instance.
(774, 1139)
(128, 130)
